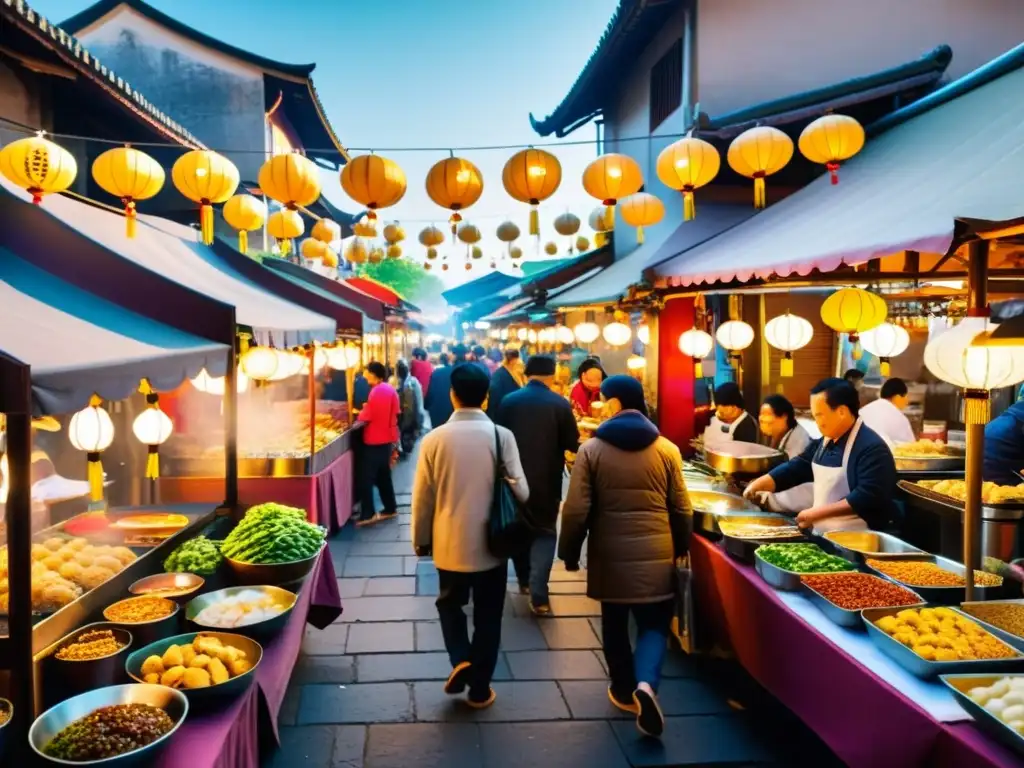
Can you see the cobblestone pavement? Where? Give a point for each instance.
(366, 692)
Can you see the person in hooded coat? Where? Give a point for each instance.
(437, 399)
(627, 495)
(505, 380)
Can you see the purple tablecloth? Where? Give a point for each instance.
(864, 720)
(229, 737)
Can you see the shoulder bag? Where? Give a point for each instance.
(507, 530)
(683, 624)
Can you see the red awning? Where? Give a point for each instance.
(379, 291)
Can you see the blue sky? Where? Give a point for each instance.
(426, 73)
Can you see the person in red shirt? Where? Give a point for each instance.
(421, 369)
(380, 414)
(588, 388)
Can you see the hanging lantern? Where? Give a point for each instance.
(735, 336)
(365, 228)
(853, 311)
(788, 333)
(152, 428)
(289, 363)
(617, 333)
(356, 252)
(522, 333)
(444, 267)
(586, 332)
(697, 345)
(757, 153)
(600, 239)
(291, 179)
(206, 178)
(259, 363)
(426, 266)
(508, 232)
(469, 234)
(686, 165)
(644, 334)
(431, 253)
(373, 181)
(246, 214)
(330, 259)
(313, 249)
(515, 252)
(468, 266)
(476, 252)
(532, 176)
(550, 249)
(641, 210)
(214, 385)
(532, 336)
(394, 251)
(454, 184)
(393, 233)
(567, 224)
(564, 334)
(284, 226)
(582, 244)
(431, 237)
(376, 255)
(38, 166)
(831, 140)
(344, 357)
(130, 175)
(612, 177)
(602, 219)
(636, 363)
(92, 431)
(951, 357)
(326, 231)
(885, 341)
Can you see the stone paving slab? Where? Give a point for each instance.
(517, 701)
(555, 665)
(360, 609)
(356, 565)
(564, 634)
(320, 746)
(383, 637)
(359, 703)
(694, 741)
(352, 587)
(390, 585)
(384, 548)
(588, 699)
(454, 745)
(551, 745)
(329, 641)
(410, 667)
(324, 669)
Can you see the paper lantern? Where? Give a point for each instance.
(259, 363)
(476, 252)
(831, 140)
(373, 181)
(532, 176)
(586, 333)
(950, 357)
(468, 266)
(522, 333)
(326, 231)
(582, 244)
(735, 336)
(356, 252)
(376, 255)
(344, 357)
(455, 184)
(426, 266)
(644, 334)
(38, 166)
(129, 175)
(564, 334)
(602, 219)
(550, 249)
(431, 253)
(444, 267)
(515, 252)
(214, 385)
(393, 233)
(617, 334)
(507, 231)
(686, 165)
(757, 153)
(697, 345)
(330, 259)
(788, 333)
(284, 226)
(289, 364)
(92, 431)
(853, 311)
(567, 224)
(532, 337)
(431, 236)
(365, 228)
(394, 251)
(206, 178)
(152, 428)
(291, 179)
(885, 342)
(612, 177)
(469, 234)
(246, 214)
(636, 363)
(641, 210)
(313, 249)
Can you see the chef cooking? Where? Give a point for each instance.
(777, 420)
(852, 469)
(731, 422)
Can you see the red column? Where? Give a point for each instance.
(675, 374)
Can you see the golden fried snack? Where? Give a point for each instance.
(173, 658)
(197, 678)
(173, 677)
(153, 665)
(218, 672)
(201, 661)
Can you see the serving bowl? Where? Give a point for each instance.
(147, 631)
(273, 573)
(72, 677)
(55, 719)
(994, 726)
(265, 628)
(9, 707)
(172, 586)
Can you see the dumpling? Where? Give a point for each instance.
(172, 658)
(153, 665)
(59, 594)
(77, 544)
(123, 554)
(71, 570)
(53, 543)
(53, 562)
(197, 678)
(84, 558)
(93, 576)
(39, 552)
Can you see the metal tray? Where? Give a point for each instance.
(950, 463)
(888, 545)
(845, 617)
(940, 595)
(945, 505)
(923, 668)
(1008, 637)
(743, 458)
(777, 577)
(996, 728)
(708, 504)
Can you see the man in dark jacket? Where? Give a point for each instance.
(503, 382)
(544, 428)
(437, 400)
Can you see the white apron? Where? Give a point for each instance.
(795, 500)
(718, 433)
(831, 486)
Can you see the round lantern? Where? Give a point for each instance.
(373, 181)
(393, 233)
(38, 166)
(284, 226)
(246, 214)
(375, 256)
(330, 259)
(476, 252)
(831, 140)
(950, 357)
(546, 336)
(602, 219)
(365, 228)
(394, 251)
(735, 336)
(356, 252)
(326, 231)
(92, 431)
(515, 252)
(289, 364)
(587, 332)
(205, 177)
(214, 385)
(567, 224)
(853, 311)
(532, 176)
(564, 334)
(291, 179)
(427, 266)
(508, 232)
(757, 153)
(455, 184)
(313, 249)
(788, 333)
(641, 210)
(130, 175)
(259, 363)
(550, 249)
(522, 334)
(617, 334)
(469, 234)
(582, 244)
(431, 253)
(431, 236)
(697, 345)
(686, 165)
(344, 356)
(612, 177)
(468, 266)
(152, 428)
(636, 363)
(885, 342)
(644, 334)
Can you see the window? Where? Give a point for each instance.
(667, 84)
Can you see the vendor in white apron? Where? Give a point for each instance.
(731, 422)
(777, 420)
(851, 467)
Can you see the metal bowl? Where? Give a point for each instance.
(884, 544)
(737, 458)
(780, 578)
(9, 707)
(73, 677)
(708, 504)
(231, 688)
(57, 718)
(996, 728)
(148, 631)
(266, 628)
(275, 573)
(179, 586)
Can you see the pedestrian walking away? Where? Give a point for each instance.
(438, 399)
(410, 398)
(451, 502)
(506, 379)
(421, 368)
(626, 494)
(380, 414)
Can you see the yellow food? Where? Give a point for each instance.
(218, 672)
(153, 665)
(173, 677)
(1009, 617)
(991, 493)
(921, 449)
(172, 658)
(239, 667)
(182, 667)
(924, 574)
(200, 662)
(197, 678)
(53, 543)
(152, 677)
(187, 654)
(946, 637)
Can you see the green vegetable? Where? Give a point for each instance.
(802, 558)
(273, 533)
(199, 555)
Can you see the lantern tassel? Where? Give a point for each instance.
(454, 220)
(786, 366)
(285, 245)
(243, 241)
(698, 369)
(153, 462)
(640, 235)
(534, 221)
(689, 205)
(131, 219)
(206, 222)
(94, 475)
(886, 369)
(858, 351)
(833, 169)
(759, 191)
(37, 195)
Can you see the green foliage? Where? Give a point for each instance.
(408, 279)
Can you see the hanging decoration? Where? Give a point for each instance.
(564, 334)
(330, 259)
(885, 342)
(293, 181)
(394, 251)
(612, 177)
(152, 428)
(697, 345)
(602, 219)
(427, 266)
(355, 251)
(532, 176)
(284, 226)
(365, 228)
(476, 252)
(130, 175)
(853, 311)
(617, 333)
(788, 333)
(567, 225)
(550, 249)
(214, 385)
(38, 166)
(259, 363)
(587, 331)
(515, 253)
(313, 249)
(582, 244)
(641, 210)
(468, 266)
(92, 431)
(831, 140)
(469, 235)
(289, 363)
(431, 237)
(246, 214)
(757, 153)
(206, 178)
(687, 165)
(394, 233)
(643, 333)
(376, 255)
(455, 184)
(951, 357)
(735, 336)
(508, 232)
(326, 231)
(373, 181)
(343, 357)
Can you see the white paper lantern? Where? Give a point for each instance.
(644, 334)
(546, 336)
(343, 357)
(522, 334)
(531, 336)
(951, 357)
(504, 334)
(397, 336)
(214, 385)
(152, 427)
(586, 333)
(735, 335)
(288, 364)
(91, 429)
(413, 337)
(788, 333)
(259, 363)
(617, 334)
(636, 363)
(885, 341)
(564, 334)
(319, 358)
(696, 344)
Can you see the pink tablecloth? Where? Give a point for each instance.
(864, 720)
(229, 737)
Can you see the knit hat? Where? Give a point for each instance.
(540, 365)
(627, 390)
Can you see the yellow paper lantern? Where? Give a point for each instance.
(431, 253)
(313, 249)
(612, 177)
(92, 431)
(532, 176)
(641, 210)
(686, 165)
(469, 234)
(364, 228)
(246, 214)
(130, 175)
(468, 266)
(356, 252)
(444, 267)
(586, 332)
(831, 140)
(455, 184)
(431, 236)
(373, 181)
(284, 226)
(38, 166)
(600, 239)
(477, 252)
(326, 231)
(760, 152)
(375, 256)
(550, 249)
(508, 232)
(259, 363)
(330, 259)
(515, 252)
(788, 333)
(394, 251)
(602, 219)
(426, 266)
(291, 179)
(617, 333)
(582, 244)
(205, 177)
(567, 224)
(393, 233)
(853, 311)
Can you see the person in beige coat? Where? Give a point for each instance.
(451, 503)
(627, 496)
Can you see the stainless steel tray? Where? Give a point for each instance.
(775, 576)
(888, 545)
(708, 504)
(940, 595)
(845, 617)
(923, 668)
(743, 458)
(1008, 637)
(996, 728)
(949, 463)
(945, 505)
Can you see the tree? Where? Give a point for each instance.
(408, 279)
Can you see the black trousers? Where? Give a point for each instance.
(487, 589)
(375, 470)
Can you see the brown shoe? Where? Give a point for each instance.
(386, 515)
(367, 521)
(482, 703)
(631, 707)
(458, 679)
